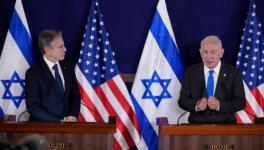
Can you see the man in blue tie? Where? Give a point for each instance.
(52, 94)
(212, 91)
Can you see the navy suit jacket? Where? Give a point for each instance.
(44, 99)
(229, 91)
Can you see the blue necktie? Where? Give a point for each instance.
(210, 84)
(57, 76)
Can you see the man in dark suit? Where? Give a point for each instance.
(212, 91)
(52, 93)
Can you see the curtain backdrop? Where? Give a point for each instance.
(128, 21)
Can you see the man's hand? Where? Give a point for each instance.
(69, 119)
(202, 104)
(213, 103)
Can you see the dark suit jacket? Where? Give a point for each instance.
(44, 99)
(229, 91)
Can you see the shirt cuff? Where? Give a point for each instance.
(218, 108)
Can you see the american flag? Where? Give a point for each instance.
(101, 85)
(251, 63)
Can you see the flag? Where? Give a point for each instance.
(157, 84)
(101, 85)
(15, 59)
(251, 62)
(1, 112)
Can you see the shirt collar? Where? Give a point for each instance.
(48, 62)
(216, 69)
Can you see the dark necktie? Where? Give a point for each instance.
(210, 84)
(57, 76)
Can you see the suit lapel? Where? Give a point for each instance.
(46, 72)
(220, 86)
(65, 76)
(67, 80)
(201, 79)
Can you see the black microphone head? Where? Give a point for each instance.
(112, 119)
(33, 142)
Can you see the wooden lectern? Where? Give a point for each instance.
(74, 136)
(212, 137)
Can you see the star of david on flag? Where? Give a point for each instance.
(149, 83)
(15, 97)
(17, 55)
(157, 84)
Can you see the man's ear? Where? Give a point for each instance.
(200, 51)
(222, 52)
(46, 50)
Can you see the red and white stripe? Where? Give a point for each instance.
(110, 99)
(254, 105)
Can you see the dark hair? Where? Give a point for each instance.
(46, 37)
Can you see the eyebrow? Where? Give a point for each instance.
(209, 50)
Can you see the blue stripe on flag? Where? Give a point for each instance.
(1, 112)
(148, 133)
(22, 37)
(167, 45)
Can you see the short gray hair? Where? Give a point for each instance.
(46, 37)
(213, 38)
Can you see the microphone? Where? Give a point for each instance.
(28, 110)
(95, 112)
(178, 120)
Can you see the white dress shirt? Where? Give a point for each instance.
(50, 65)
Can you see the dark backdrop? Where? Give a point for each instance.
(128, 21)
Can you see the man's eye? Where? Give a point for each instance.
(213, 52)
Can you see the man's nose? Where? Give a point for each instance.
(210, 54)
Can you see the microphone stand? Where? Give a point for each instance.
(93, 111)
(28, 110)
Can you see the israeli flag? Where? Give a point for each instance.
(1, 112)
(15, 59)
(157, 84)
